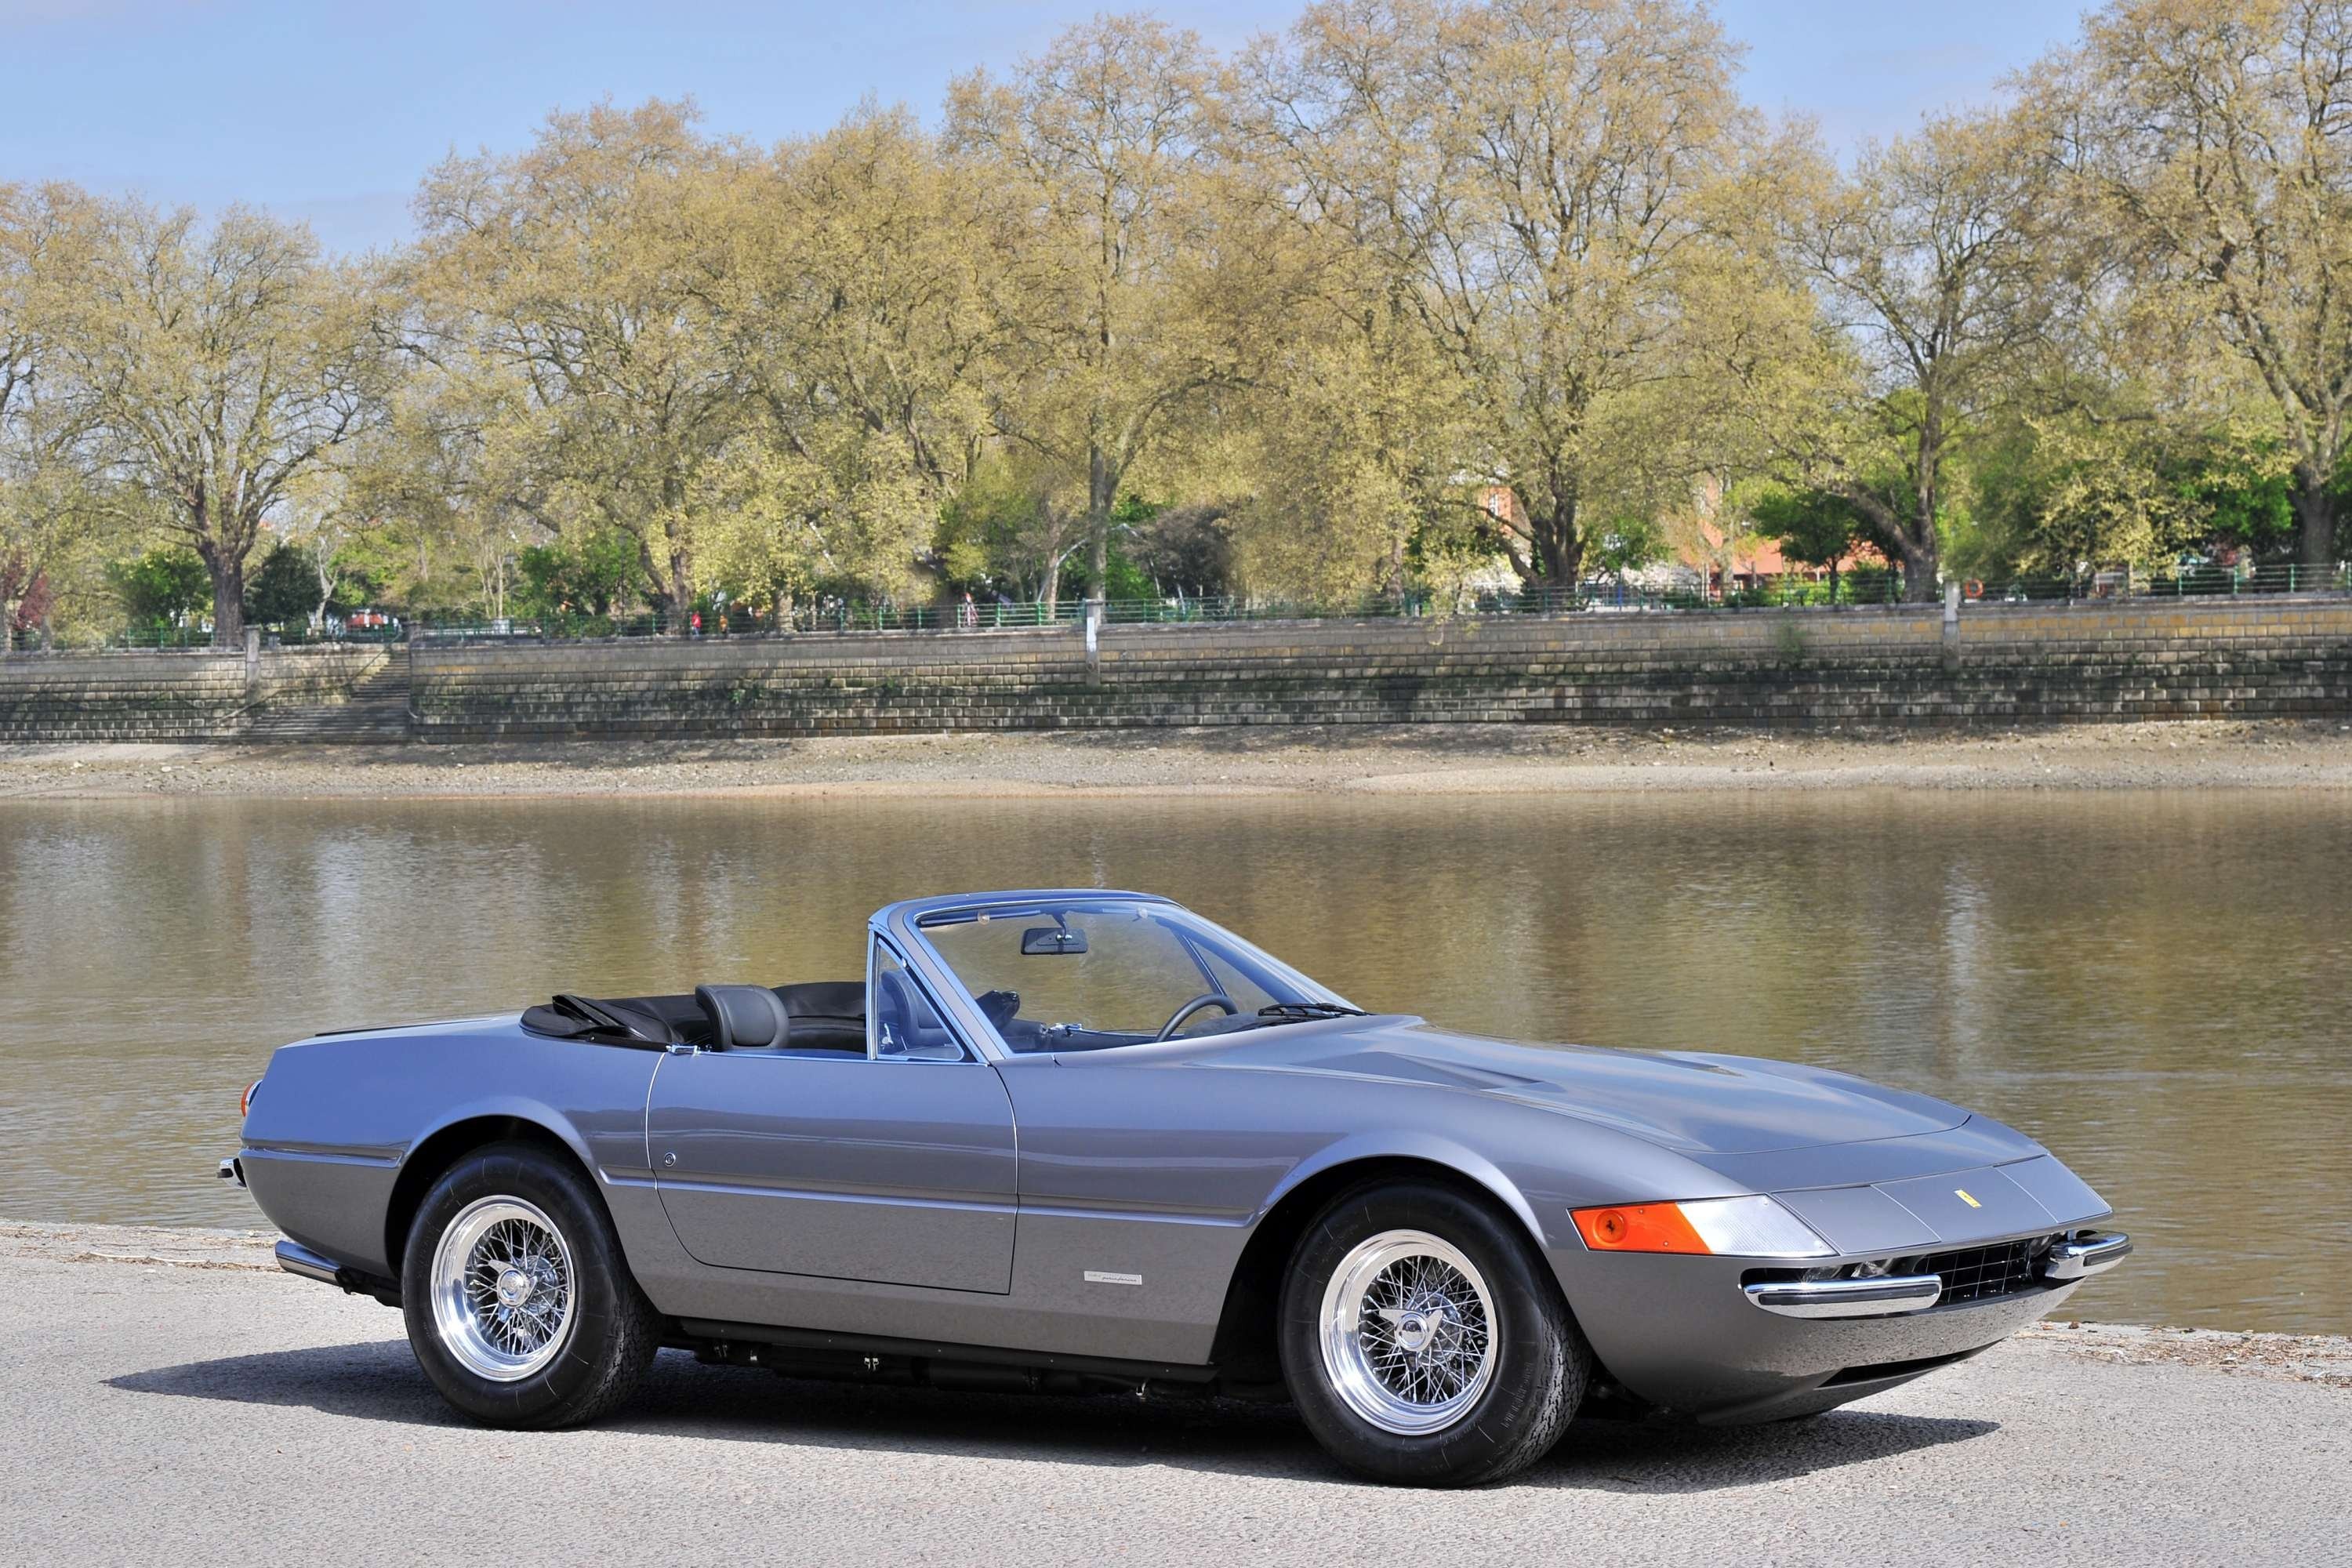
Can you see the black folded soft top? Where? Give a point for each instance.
(826, 1015)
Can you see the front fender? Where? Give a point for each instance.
(1402, 1143)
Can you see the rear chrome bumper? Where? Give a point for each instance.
(1881, 1298)
(296, 1258)
(2087, 1255)
(230, 1171)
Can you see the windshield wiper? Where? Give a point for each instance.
(1300, 1012)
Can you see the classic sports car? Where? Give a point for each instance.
(1077, 1140)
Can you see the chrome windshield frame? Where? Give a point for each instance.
(901, 924)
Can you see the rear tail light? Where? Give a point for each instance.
(245, 1102)
(1735, 1227)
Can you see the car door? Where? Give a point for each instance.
(895, 1167)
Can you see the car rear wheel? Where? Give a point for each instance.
(520, 1306)
(1424, 1339)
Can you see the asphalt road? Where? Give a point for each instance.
(172, 1400)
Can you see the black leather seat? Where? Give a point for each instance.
(744, 1017)
(826, 1015)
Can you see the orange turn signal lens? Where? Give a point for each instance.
(245, 1102)
(1637, 1227)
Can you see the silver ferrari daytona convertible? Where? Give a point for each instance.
(1081, 1140)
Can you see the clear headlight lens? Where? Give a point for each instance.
(1752, 1228)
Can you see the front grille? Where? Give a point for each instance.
(1979, 1273)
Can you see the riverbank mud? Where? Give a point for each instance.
(1427, 759)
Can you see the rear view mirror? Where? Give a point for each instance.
(1046, 941)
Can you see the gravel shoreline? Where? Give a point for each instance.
(1424, 760)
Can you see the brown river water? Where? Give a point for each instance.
(2157, 986)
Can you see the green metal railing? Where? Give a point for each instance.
(1595, 595)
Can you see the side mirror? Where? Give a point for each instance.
(1040, 941)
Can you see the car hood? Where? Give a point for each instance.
(1690, 1101)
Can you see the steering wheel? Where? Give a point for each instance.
(1209, 999)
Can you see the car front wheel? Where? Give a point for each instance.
(520, 1306)
(1424, 1339)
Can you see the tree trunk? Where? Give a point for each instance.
(1100, 499)
(1559, 547)
(228, 594)
(679, 601)
(1919, 582)
(2315, 514)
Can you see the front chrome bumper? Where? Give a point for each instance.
(2078, 1257)
(1880, 1298)
(2086, 1256)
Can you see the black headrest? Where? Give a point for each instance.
(743, 1018)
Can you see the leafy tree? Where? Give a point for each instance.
(1814, 527)
(1104, 141)
(1182, 550)
(162, 587)
(1534, 172)
(589, 575)
(210, 368)
(860, 295)
(581, 268)
(2244, 494)
(283, 589)
(2212, 141)
(1628, 543)
(1931, 261)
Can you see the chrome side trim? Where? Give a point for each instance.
(2087, 1255)
(296, 1258)
(1882, 1297)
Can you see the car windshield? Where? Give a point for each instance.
(1084, 974)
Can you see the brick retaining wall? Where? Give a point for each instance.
(2272, 657)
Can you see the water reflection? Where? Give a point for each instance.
(2154, 985)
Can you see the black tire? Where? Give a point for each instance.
(611, 1332)
(1540, 1362)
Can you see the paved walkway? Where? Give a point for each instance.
(171, 1399)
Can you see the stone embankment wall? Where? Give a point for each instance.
(196, 694)
(1994, 664)
(2270, 657)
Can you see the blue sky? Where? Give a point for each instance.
(329, 111)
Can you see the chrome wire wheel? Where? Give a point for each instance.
(502, 1290)
(1408, 1332)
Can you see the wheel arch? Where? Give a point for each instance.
(431, 1156)
(1244, 1345)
